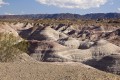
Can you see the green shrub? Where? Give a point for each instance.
(23, 46)
(8, 50)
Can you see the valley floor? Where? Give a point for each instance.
(52, 71)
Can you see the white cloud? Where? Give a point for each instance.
(118, 9)
(2, 3)
(82, 4)
(9, 13)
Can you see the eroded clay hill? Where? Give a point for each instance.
(88, 45)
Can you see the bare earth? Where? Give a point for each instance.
(51, 71)
(61, 44)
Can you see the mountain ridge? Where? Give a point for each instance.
(63, 16)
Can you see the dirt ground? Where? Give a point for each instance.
(51, 71)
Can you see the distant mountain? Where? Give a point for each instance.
(102, 16)
(63, 16)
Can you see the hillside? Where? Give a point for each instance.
(60, 49)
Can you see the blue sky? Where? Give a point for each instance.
(11, 7)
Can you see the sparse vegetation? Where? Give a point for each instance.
(23, 46)
(8, 51)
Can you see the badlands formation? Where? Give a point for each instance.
(63, 52)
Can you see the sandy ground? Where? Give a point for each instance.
(51, 71)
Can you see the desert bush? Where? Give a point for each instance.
(8, 51)
(23, 46)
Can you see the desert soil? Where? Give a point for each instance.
(51, 71)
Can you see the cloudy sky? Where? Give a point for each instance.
(11, 7)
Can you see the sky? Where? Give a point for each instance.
(18, 7)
